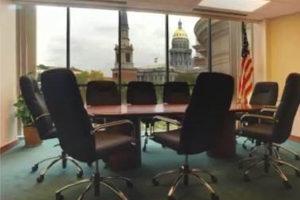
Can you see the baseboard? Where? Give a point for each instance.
(9, 146)
(295, 138)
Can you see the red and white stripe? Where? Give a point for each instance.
(246, 79)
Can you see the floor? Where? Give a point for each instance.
(19, 183)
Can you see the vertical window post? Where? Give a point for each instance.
(119, 51)
(68, 38)
(209, 46)
(167, 49)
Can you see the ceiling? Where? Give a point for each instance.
(274, 8)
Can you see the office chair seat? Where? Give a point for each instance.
(107, 142)
(261, 132)
(168, 139)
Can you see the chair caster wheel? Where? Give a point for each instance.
(59, 197)
(155, 182)
(297, 157)
(40, 179)
(266, 168)
(34, 168)
(144, 149)
(297, 173)
(90, 164)
(246, 178)
(240, 165)
(129, 184)
(80, 174)
(214, 197)
(171, 198)
(287, 185)
(213, 179)
(244, 147)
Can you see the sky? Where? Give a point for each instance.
(94, 35)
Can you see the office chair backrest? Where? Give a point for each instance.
(141, 93)
(176, 92)
(287, 108)
(68, 113)
(35, 102)
(102, 93)
(208, 107)
(265, 93)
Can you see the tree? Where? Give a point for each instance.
(190, 78)
(83, 77)
(95, 75)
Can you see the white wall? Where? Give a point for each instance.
(8, 72)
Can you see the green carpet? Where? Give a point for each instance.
(18, 183)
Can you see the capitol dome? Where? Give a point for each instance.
(180, 51)
(180, 33)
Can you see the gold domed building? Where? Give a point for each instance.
(180, 52)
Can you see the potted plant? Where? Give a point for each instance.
(31, 136)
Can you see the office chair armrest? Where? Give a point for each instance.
(259, 117)
(113, 124)
(165, 119)
(42, 115)
(268, 109)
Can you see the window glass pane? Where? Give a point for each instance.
(142, 49)
(94, 35)
(221, 46)
(227, 46)
(187, 43)
(51, 37)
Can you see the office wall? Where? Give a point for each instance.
(8, 72)
(283, 53)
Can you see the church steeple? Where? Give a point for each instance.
(124, 20)
(128, 70)
(124, 28)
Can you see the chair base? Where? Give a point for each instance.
(64, 158)
(184, 173)
(95, 181)
(275, 148)
(268, 160)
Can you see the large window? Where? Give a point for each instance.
(186, 56)
(142, 47)
(51, 37)
(136, 46)
(93, 36)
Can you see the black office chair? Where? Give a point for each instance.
(264, 93)
(35, 102)
(201, 127)
(176, 93)
(276, 132)
(102, 93)
(142, 93)
(99, 93)
(75, 132)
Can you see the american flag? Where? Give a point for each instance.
(246, 73)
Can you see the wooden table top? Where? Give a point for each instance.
(157, 109)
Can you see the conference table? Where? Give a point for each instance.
(133, 158)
